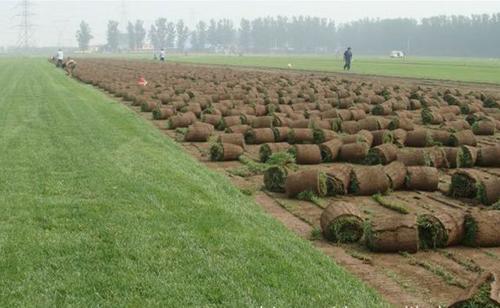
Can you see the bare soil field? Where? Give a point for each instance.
(397, 180)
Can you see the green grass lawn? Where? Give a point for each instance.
(99, 208)
(457, 69)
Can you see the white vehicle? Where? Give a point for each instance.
(397, 54)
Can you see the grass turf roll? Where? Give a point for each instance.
(399, 136)
(259, 135)
(387, 234)
(437, 157)
(431, 117)
(330, 150)
(268, 149)
(238, 129)
(419, 138)
(323, 135)
(463, 137)
(349, 127)
(483, 293)
(402, 123)
(382, 136)
(338, 179)
(275, 178)
(281, 134)
(162, 113)
(382, 154)
(441, 137)
(466, 156)
(198, 132)
(263, 122)
(413, 157)
(313, 181)
(225, 151)
(180, 120)
(369, 123)
(233, 138)
(353, 152)
(484, 128)
(488, 156)
(368, 180)
(482, 228)
(396, 172)
(422, 178)
(307, 154)
(213, 119)
(342, 222)
(300, 135)
(451, 156)
(228, 121)
(440, 229)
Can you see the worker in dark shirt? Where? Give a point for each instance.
(347, 59)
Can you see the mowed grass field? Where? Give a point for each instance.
(455, 69)
(99, 208)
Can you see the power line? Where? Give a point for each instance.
(25, 37)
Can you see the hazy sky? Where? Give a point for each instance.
(55, 22)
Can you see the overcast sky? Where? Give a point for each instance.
(55, 22)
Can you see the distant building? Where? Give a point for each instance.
(397, 54)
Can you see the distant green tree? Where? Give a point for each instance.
(140, 34)
(113, 35)
(182, 34)
(245, 35)
(170, 37)
(131, 36)
(158, 33)
(83, 36)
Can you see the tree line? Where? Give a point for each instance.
(475, 35)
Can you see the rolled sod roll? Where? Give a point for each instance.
(469, 183)
(399, 136)
(344, 114)
(464, 137)
(304, 123)
(489, 156)
(306, 181)
(306, 154)
(281, 133)
(268, 149)
(233, 138)
(482, 228)
(440, 229)
(330, 150)
(396, 172)
(451, 156)
(437, 157)
(402, 123)
(382, 154)
(259, 136)
(349, 127)
(391, 234)
(198, 133)
(263, 122)
(148, 106)
(441, 137)
(413, 157)
(457, 125)
(369, 123)
(382, 136)
(300, 135)
(484, 128)
(422, 178)
(382, 109)
(323, 135)
(358, 114)
(419, 138)
(484, 292)
(466, 156)
(181, 120)
(275, 178)
(342, 222)
(338, 179)
(368, 180)
(353, 152)
(245, 118)
(229, 121)
(238, 129)
(431, 117)
(213, 119)
(163, 113)
(225, 151)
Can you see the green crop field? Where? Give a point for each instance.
(99, 208)
(456, 69)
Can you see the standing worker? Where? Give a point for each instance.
(347, 59)
(60, 58)
(162, 55)
(70, 66)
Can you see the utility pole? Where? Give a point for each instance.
(25, 38)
